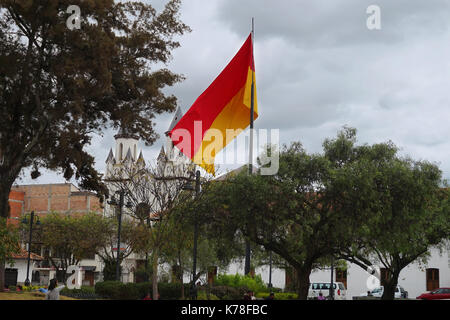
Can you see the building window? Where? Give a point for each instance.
(432, 275)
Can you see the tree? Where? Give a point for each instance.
(71, 238)
(132, 237)
(413, 217)
(59, 86)
(212, 248)
(154, 191)
(320, 205)
(9, 241)
(286, 213)
(399, 207)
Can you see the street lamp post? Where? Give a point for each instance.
(332, 282)
(27, 281)
(119, 217)
(194, 264)
(194, 259)
(270, 269)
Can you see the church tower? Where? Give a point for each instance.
(126, 152)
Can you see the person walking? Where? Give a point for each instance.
(53, 290)
(320, 297)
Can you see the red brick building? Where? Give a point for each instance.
(45, 198)
(42, 199)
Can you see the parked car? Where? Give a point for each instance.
(340, 293)
(438, 294)
(378, 292)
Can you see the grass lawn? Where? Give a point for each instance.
(27, 296)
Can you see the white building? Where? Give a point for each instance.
(16, 273)
(415, 278)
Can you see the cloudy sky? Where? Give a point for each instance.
(319, 67)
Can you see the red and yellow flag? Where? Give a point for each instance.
(220, 113)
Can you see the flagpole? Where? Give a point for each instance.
(250, 165)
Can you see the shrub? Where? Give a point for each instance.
(278, 295)
(203, 296)
(246, 282)
(227, 292)
(30, 288)
(135, 291)
(128, 291)
(172, 291)
(83, 293)
(143, 288)
(12, 288)
(108, 289)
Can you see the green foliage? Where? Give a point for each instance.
(171, 291)
(108, 289)
(84, 292)
(71, 238)
(352, 202)
(54, 94)
(9, 241)
(202, 295)
(128, 291)
(228, 293)
(255, 284)
(278, 295)
(109, 270)
(31, 288)
(134, 291)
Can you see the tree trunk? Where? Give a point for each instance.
(390, 286)
(2, 275)
(302, 277)
(155, 274)
(4, 213)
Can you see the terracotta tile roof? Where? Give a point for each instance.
(23, 254)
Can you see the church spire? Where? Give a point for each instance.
(141, 157)
(110, 158)
(162, 154)
(128, 157)
(178, 115)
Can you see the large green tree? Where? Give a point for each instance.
(337, 204)
(402, 203)
(61, 85)
(284, 213)
(413, 217)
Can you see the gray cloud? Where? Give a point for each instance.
(318, 68)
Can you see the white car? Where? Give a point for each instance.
(378, 292)
(340, 293)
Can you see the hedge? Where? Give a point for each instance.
(278, 295)
(134, 291)
(83, 293)
(228, 292)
